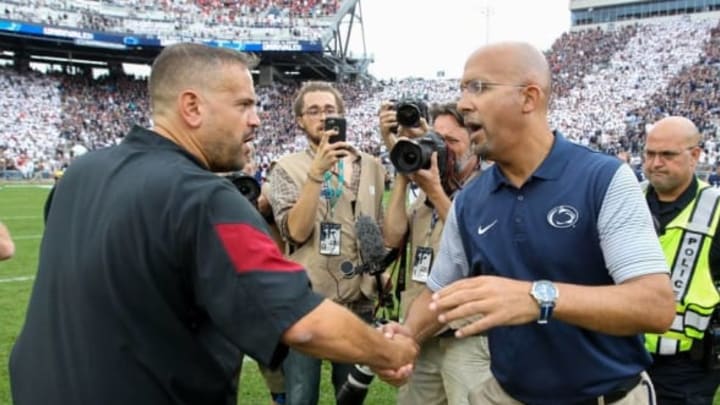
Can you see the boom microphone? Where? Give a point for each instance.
(370, 244)
(371, 247)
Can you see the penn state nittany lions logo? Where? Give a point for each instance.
(563, 216)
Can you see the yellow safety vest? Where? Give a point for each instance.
(686, 244)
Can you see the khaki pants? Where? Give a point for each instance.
(491, 393)
(446, 371)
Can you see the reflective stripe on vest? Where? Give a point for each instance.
(688, 253)
(690, 275)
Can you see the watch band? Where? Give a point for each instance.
(546, 310)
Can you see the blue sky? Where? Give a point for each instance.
(420, 37)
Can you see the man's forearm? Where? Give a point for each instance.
(389, 140)
(644, 304)
(332, 332)
(422, 322)
(7, 247)
(301, 217)
(396, 222)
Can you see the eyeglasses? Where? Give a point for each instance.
(665, 155)
(477, 86)
(315, 112)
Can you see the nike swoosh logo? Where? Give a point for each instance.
(482, 230)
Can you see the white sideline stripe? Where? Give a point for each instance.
(19, 217)
(27, 237)
(45, 186)
(16, 279)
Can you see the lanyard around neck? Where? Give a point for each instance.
(332, 193)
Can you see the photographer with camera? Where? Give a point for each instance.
(447, 367)
(317, 196)
(685, 367)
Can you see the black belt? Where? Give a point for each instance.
(618, 393)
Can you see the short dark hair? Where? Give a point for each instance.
(189, 63)
(446, 109)
(311, 86)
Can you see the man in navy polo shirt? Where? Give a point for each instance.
(552, 251)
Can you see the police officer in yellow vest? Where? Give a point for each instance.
(686, 212)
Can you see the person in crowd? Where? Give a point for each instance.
(317, 196)
(447, 368)
(7, 246)
(551, 251)
(714, 178)
(155, 273)
(685, 367)
(626, 158)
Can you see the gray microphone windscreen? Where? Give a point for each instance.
(370, 240)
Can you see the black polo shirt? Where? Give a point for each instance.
(154, 275)
(664, 212)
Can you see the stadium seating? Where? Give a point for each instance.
(201, 19)
(608, 86)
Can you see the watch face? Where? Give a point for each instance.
(544, 291)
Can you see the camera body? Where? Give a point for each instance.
(411, 155)
(246, 184)
(409, 111)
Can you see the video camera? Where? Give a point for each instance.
(409, 111)
(246, 184)
(355, 388)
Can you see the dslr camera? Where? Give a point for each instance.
(409, 112)
(246, 184)
(411, 155)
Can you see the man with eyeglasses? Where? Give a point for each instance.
(552, 250)
(447, 368)
(317, 196)
(685, 369)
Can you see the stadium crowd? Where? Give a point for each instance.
(200, 19)
(613, 90)
(608, 87)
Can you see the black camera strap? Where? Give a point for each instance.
(401, 259)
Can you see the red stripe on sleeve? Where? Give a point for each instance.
(250, 249)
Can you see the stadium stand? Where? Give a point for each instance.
(649, 60)
(609, 84)
(200, 19)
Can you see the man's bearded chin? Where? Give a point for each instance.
(462, 161)
(481, 151)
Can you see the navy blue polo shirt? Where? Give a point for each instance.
(547, 229)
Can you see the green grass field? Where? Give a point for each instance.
(21, 210)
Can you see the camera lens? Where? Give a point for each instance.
(408, 115)
(248, 186)
(406, 156)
